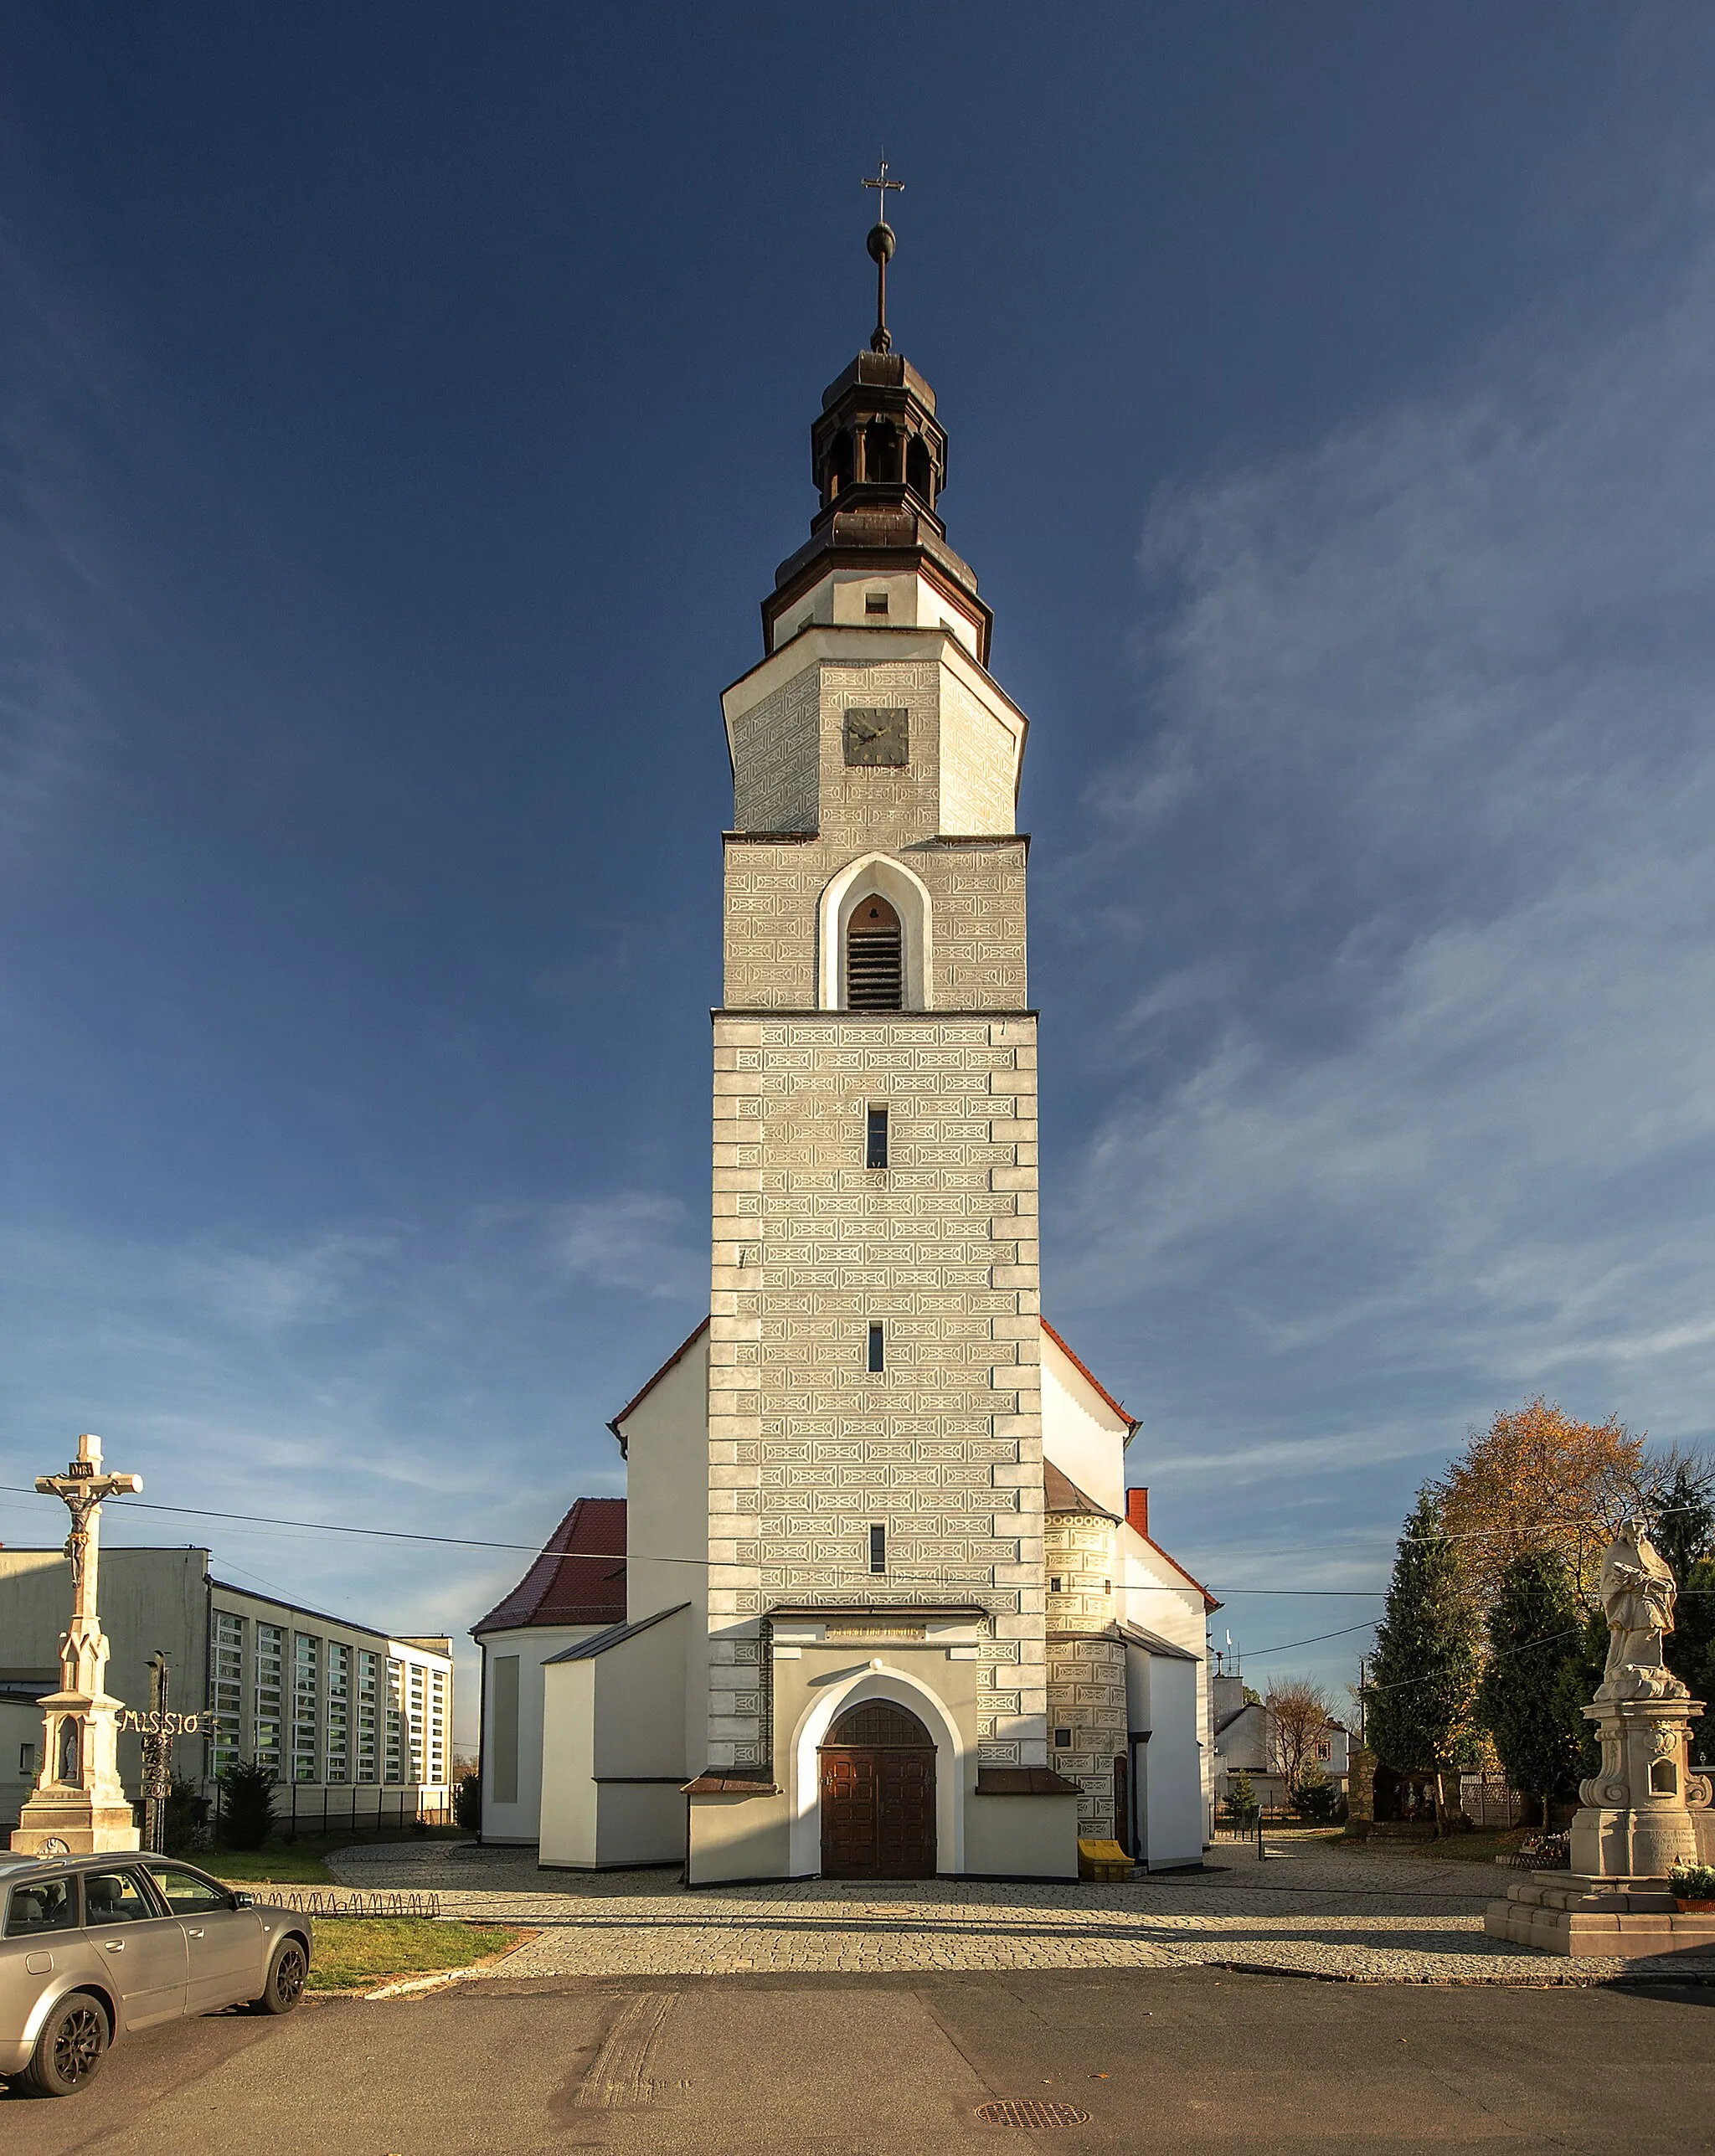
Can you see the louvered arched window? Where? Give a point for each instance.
(874, 958)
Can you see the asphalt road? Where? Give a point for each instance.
(874, 2066)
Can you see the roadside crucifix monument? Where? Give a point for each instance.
(79, 1805)
(1647, 1810)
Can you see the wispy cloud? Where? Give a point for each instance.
(1413, 1112)
(636, 1240)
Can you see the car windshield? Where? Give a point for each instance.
(45, 1905)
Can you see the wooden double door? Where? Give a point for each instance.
(877, 1795)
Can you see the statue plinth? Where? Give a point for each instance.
(1644, 1811)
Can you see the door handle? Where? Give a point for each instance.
(193, 1930)
(113, 1946)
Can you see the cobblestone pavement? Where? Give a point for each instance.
(1309, 1907)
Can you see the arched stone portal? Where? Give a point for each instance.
(877, 1794)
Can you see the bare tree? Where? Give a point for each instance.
(1298, 1715)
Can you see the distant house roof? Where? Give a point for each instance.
(579, 1578)
(1060, 1494)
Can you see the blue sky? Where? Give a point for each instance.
(403, 411)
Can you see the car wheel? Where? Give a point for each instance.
(286, 1975)
(69, 2050)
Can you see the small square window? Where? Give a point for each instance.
(875, 602)
(878, 1350)
(877, 1549)
(1062, 1740)
(875, 1142)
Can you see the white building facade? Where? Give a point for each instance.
(357, 1723)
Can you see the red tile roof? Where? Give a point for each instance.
(579, 1578)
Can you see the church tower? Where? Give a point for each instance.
(890, 1608)
(875, 1403)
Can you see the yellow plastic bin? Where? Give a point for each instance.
(1103, 1860)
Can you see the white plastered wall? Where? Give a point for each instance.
(612, 1748)
(1155, 1593)
(533, 1645)
(1161, 1698)
(842, 598)
(667, 1480)
(1081, 1433)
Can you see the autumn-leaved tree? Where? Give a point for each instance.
(1421, 1695)
(1299, 1714)
(1535, 1479)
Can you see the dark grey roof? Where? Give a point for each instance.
(1153, 1643)
(585, 1651)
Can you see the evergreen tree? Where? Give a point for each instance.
(1421, 1693)
(1534, 1626)
(1683, 1528)
(247, 1803)
(1575, 1687)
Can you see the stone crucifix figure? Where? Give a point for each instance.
(79, 1804)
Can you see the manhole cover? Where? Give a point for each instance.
(1031, 2110)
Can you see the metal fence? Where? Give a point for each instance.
(350, 1900)
(326, 1811)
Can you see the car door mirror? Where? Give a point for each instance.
(243, 1901)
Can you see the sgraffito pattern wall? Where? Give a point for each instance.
(773, 889)
(1086, 1663)
(791, 776)
(808, 1447)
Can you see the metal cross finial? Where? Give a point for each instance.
(881, 183)
(881, 245)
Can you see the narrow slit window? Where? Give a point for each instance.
(875, 969)
(875, 1144)
(877, 1549)
(878, 1347)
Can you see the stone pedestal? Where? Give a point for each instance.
(79, 1806)
(1568, 1912)
(1646, 1812)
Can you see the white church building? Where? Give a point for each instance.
(879, 1603)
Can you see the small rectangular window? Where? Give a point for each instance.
(875, 1147)
(877, 1549)
(877, 1358)
(1062, 1740)
(875, 602)
(1053, 1583)
(26, 1762)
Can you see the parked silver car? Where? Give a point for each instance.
(94, 1947)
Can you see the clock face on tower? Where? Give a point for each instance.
(878, 736)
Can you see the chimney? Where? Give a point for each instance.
(1137, 1511)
